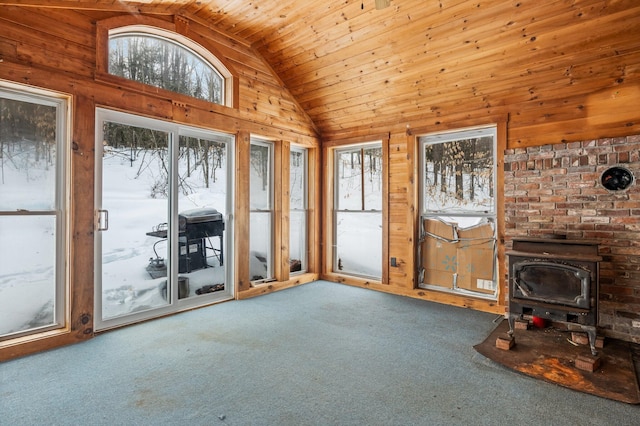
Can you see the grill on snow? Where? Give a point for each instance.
(555, 279)
(195, 228)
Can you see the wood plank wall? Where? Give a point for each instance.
(55, 49)
(546, 73)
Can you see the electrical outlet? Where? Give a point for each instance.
(393, 262)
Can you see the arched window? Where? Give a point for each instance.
(169, 61)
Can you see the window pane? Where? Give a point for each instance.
(162, 63)
(260, 198)
(260, 246)
(27, 156)
(298, 241)
(458, 176)
(261, 216)
(297, 180)
(349, 180)
(372, 178)
(298, 213)
(202, 172)
(27, 272)
(135, 191)
(358, 243)
(202, 194)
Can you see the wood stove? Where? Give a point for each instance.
(555, 279)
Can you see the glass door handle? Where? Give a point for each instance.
(102, 220)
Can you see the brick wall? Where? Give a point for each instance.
(555, 189)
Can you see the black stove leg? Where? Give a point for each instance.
(591, 332)
(512, 320)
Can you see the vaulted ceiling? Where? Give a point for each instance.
(352, 67)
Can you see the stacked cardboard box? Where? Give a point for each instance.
(439, 251)
(476, 258)
(454, 257)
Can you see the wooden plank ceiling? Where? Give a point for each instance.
(352, 67)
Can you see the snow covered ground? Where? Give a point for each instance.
(27, 242)
(27, 272)
(135, 210)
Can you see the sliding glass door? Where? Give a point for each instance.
(162, 196)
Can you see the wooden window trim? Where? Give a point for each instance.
(78, 302)
(500, 121)
(329, 150)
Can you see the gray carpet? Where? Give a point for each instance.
(318, 354)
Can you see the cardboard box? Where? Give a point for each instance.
(439, 252)
(476, 258)
(455, 257)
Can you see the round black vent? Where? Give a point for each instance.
(616, 179)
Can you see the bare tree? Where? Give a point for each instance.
(165, 64)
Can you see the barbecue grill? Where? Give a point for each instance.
(195, 228)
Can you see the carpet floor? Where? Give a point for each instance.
(317, 354)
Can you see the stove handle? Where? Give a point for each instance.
(523, 287)
(99, 222)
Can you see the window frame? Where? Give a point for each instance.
(271, 210)
(176, 32)
(205, 58)
(493, 216)
(62, 103)
(305, 207)
(335, 267)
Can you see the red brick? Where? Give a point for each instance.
(540, 192)
(505, 342)
(625, 219)
(579, 338)
(619, 141)
(613, 212)
(596, 219)
(587, 362)
(553, 199)
(627, 204)
(566, 219)
(528, 199)
(598, 235)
